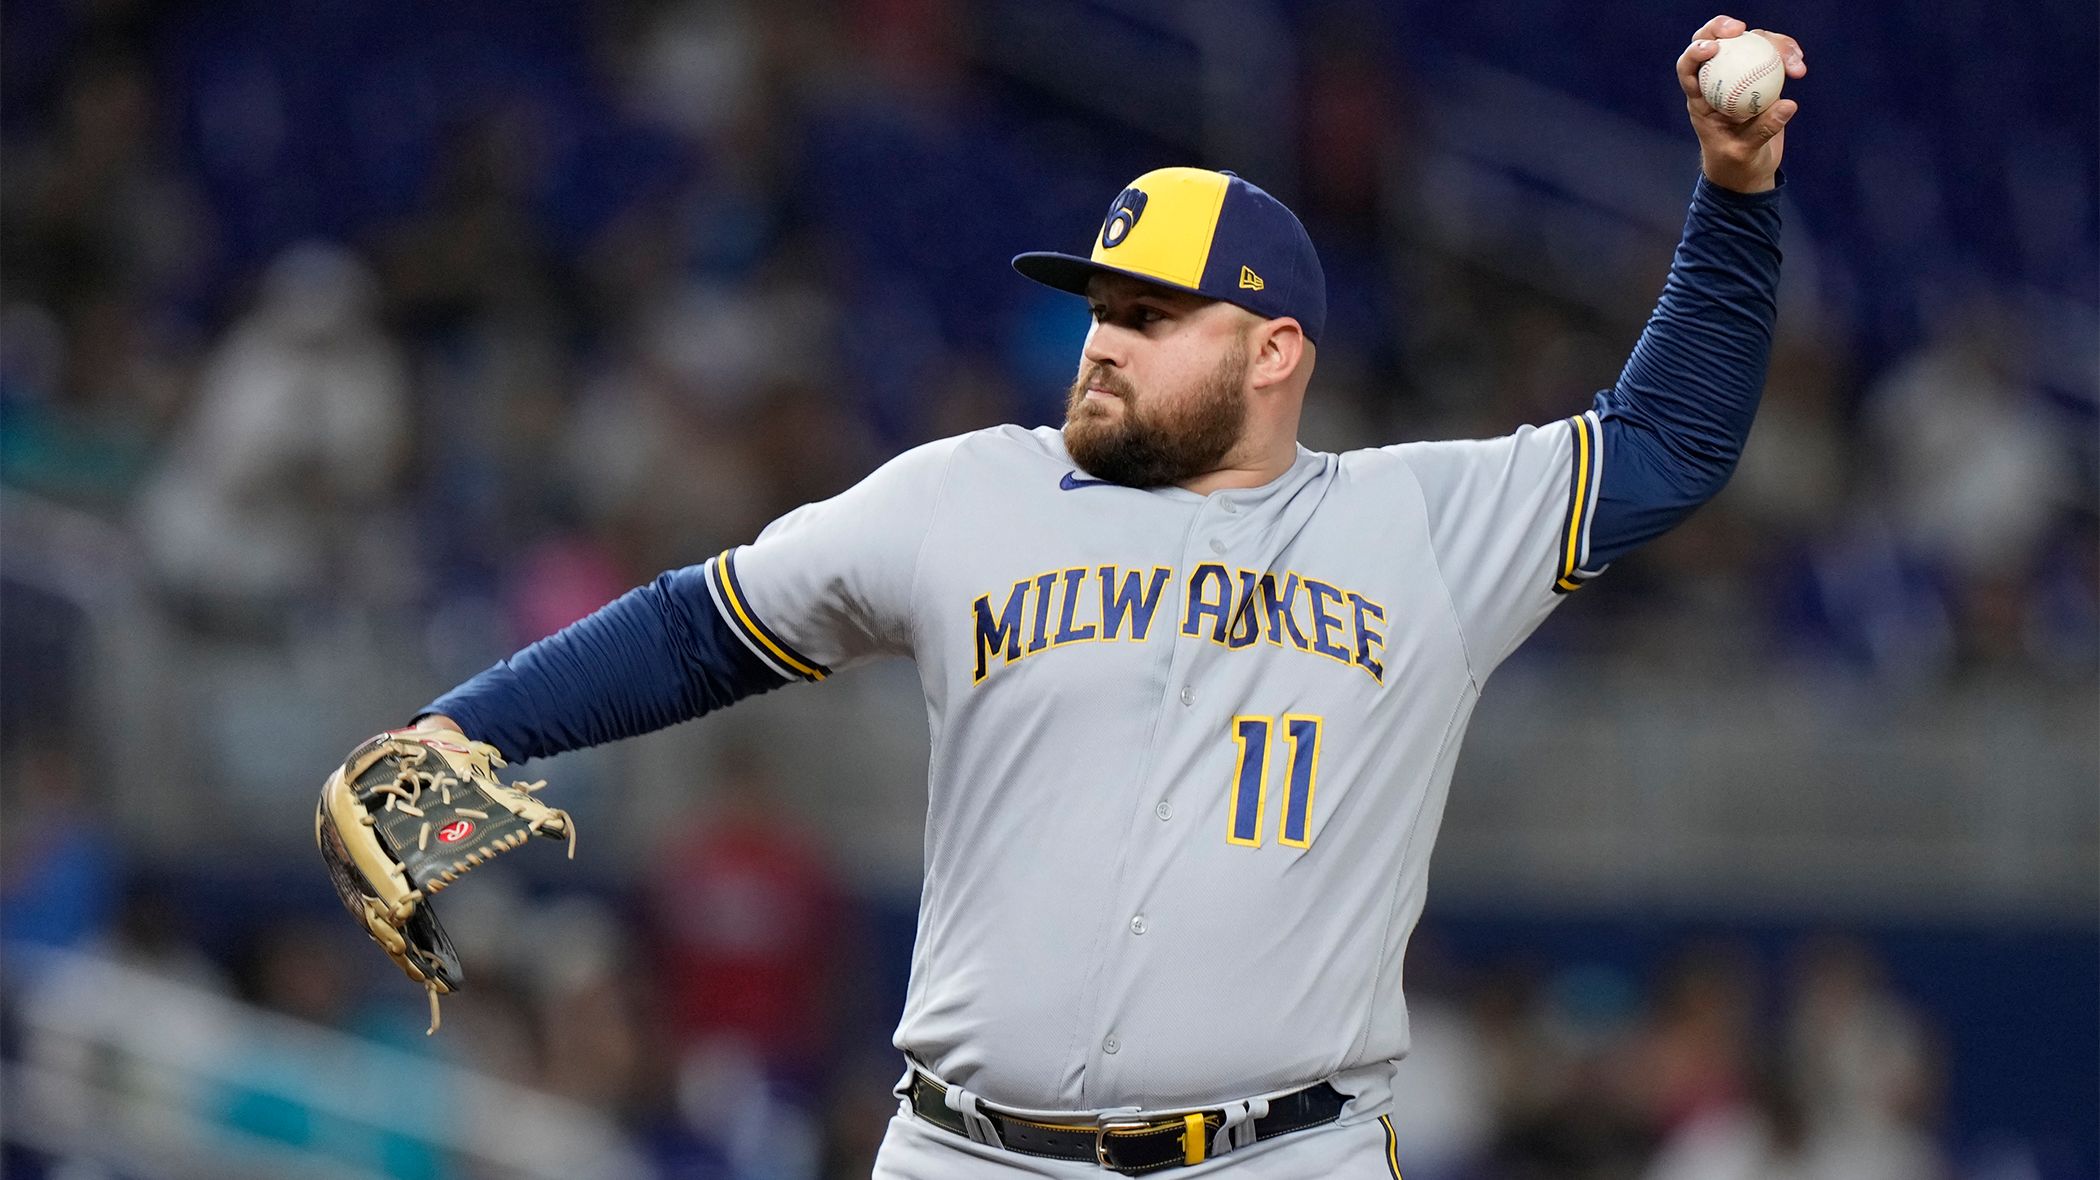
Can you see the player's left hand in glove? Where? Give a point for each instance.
(405, 815)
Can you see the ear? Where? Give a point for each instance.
(1278, 350)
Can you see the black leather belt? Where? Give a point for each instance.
(1131, 1147)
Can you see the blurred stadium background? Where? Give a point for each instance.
(349, 346)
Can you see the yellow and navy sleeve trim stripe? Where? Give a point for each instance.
(1571, 567)
(1392, 1145)
(728, 593)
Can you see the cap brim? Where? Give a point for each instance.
(1069, 272)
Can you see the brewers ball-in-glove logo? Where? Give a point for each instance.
(1122, 217)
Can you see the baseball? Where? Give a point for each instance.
(1743, 78)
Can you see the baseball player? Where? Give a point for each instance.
(1195, 691)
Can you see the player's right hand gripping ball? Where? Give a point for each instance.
(1743, 76)
(405, 815)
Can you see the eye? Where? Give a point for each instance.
(1136, 315)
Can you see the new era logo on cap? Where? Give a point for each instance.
(1208, 233)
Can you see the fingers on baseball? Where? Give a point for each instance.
(1688, 65)
(1789, 52)
(1761, 130)
(1720, 26)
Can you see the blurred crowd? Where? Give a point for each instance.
(455, 323)
(1693, 1074)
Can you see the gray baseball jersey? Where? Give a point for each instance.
(1189, 753)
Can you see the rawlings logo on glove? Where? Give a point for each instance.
(405, 815)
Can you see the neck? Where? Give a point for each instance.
(1246, 467)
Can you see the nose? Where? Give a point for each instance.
(1104, 346)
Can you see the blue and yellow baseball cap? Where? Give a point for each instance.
(1208, 233)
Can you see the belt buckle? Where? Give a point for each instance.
(1102, 1133)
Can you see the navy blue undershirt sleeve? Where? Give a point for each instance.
(1676, 421)
(653, 657)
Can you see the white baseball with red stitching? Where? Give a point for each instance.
(1743, 77)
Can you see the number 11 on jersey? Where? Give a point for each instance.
(1250, 779)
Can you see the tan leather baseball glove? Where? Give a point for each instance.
(406, 815)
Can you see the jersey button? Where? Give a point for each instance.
(1188, 695)
(1165, 810)
(1231, 509)
(1137, 924)
(1111, 1045)
(1217, 546)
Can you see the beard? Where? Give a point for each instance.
(1156, 442)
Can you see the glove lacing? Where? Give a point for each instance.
(405, 794)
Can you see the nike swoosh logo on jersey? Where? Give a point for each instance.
(1072, 482)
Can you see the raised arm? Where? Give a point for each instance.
(1675, 422)
(1520, 521)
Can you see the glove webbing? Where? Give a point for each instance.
(405, 794)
